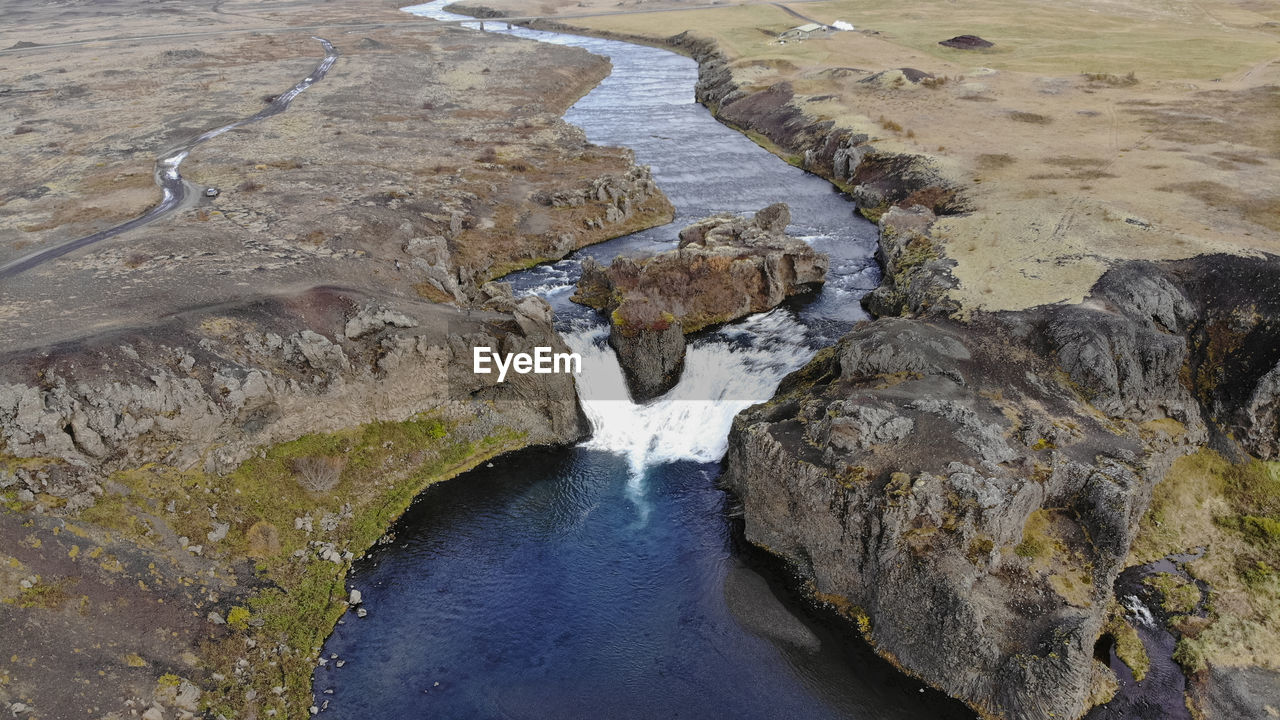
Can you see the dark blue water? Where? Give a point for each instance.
(536, 589)
(608, 580)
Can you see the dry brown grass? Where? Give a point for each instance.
(1262, 210)
(1112, 80)
(994, 161)
(262, 540)
(69, 214)
(1246, 117)
(318, 473)
(1068, 161)
(113, 180)
(1048, 539)
(432, 293)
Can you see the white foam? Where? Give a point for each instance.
(692, 421)
(1138, 610)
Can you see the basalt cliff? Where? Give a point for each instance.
(966, 491)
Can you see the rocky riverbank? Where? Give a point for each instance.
(726, 267)
(982, 559)
(198, 489)
(877, 178)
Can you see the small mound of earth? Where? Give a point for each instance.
(22, 44)
(967, 42)
(370, 44)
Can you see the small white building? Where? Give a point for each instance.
(802, 31)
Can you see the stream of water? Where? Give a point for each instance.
(607, 580)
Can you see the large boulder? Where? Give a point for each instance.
(725, 268)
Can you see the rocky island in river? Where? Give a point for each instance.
(1042, 479)
(725, 268)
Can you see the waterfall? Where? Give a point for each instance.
(729, 370)
(1138, 611)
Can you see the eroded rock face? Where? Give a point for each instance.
(917, 274)
(652, 359)
(212, 386)
(726, 267)
(900, 472)
(969, 490)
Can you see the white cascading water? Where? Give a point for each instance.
(723, 374)
(736, 367)
(1138, 611)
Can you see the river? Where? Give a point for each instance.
(609, 580)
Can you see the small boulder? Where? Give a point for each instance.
(774, 219)
(371, 320)
(218, 532)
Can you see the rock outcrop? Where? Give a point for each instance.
(916, 272)
(209, 387)
(968, 490)
(726, 267)
(966, 42)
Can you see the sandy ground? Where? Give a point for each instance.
(1072, 162)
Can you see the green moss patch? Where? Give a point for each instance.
(301, 534)
(1210, 503)
(1177, 594)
